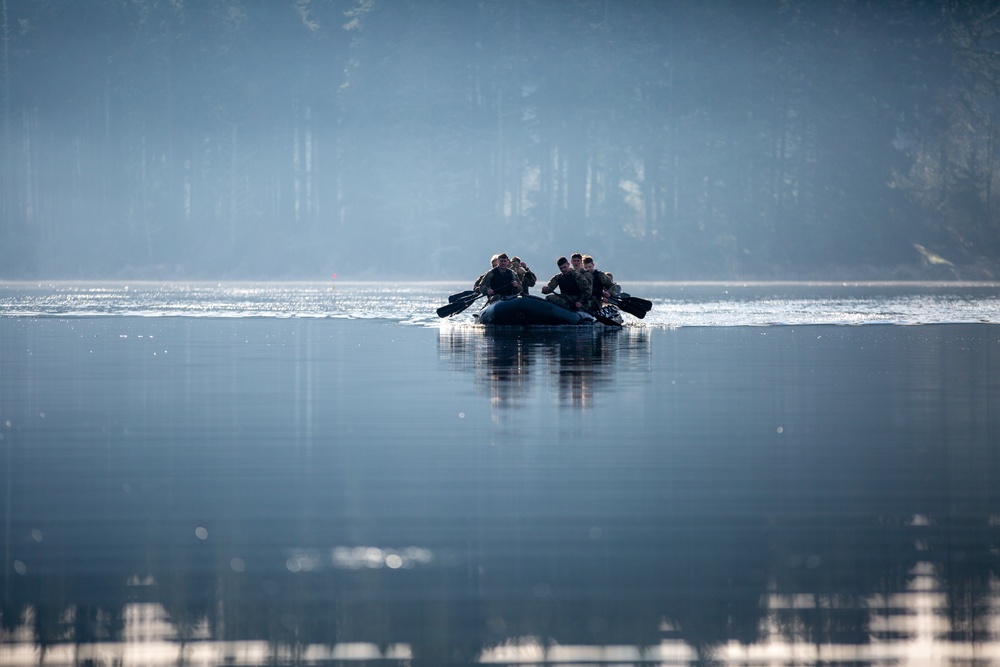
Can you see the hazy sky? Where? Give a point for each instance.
(405, 139)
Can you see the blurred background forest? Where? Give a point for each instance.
(391, 139)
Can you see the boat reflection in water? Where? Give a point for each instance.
(517, 365)
(247, 503)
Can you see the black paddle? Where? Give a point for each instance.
(605, 320)
(458, 306)
(636, 302)
(461, 303)
(461, 296)
(628, 307)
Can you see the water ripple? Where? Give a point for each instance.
(675, 304)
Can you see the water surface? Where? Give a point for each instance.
(676, 304)
(266, 474)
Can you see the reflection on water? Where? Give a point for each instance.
(301, 492)
(675, 304)
(580, 361)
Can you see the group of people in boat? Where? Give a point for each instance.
(580, 285)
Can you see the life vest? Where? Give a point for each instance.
(568, 285)
(500, 282)
(598, 289)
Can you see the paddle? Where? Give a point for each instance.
(460, 302)
(457, 307)
(636, 302)
(607, 321)
(628, 307)
(461, 296)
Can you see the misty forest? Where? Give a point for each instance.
(394, 139)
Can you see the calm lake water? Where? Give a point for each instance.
(294, 474)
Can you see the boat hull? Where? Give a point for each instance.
(532, 311)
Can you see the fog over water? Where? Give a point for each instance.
(684, 140)
(235, 431)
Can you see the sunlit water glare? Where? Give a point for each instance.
(675, 304)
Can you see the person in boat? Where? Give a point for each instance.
(479, 280)
(525, 276)
(577, 261)
(601, 285)
(500, 281)
(616, 289)
(572, 286)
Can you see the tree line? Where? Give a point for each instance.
(681, 140)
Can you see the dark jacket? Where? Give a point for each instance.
(500, 281)
(601, 282)
(570, 285)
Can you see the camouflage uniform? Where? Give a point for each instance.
(526, 277)
(600, 284)
(479, 281)
(616, 289)
(500, 281)
(586, 281)
(572, 286)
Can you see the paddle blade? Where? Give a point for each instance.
(603, 319)
(630, 308)
(461, 296)
(456, 307)
(452, 309)
(637, 303)
(637, 312)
